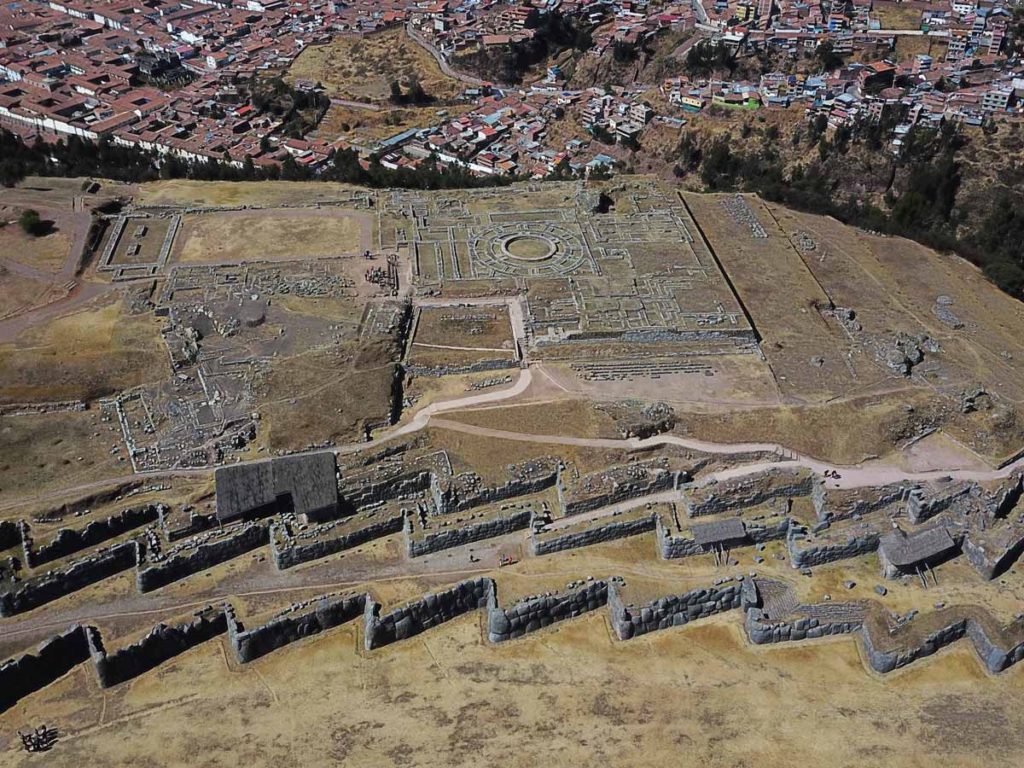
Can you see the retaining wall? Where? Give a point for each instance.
(673, 610)
(290, 556)
(78, 575)
(202, 557)
(446, 538)
(534, 613)
(595, 535)
(162, 643)
(420, 615)
(52, 659)
(68, 541)
(320, 615)
(819, 554)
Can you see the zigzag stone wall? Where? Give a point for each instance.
(290, 556)
(310, 619)
(68, 541)
(450, 499)
(78, 575)
(595, 535)
(52, 659)
(446, 538)
(991, 564)
(420, 615)
(534, 613)
(673, 610)
(384, 490)
(162, 643)
(202, 557)
(884, 652)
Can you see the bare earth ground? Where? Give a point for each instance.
(82, 356)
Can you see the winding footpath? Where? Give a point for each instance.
(875, 473)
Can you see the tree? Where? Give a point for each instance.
(33, 225)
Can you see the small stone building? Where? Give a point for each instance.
(907, 553)
(720, 534)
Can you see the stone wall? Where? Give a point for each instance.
(159, 645)
(52, 659)
(68, 541)
(201, 557)
(420, 615)
(436, 371)
(842, 505)
(534, 613)
(991, 562)
(286, 556)
(594, 535)
(995, 657)
(885, 660)
(819, 554)
(672, 547)
(79, 574)
(445, 538)
(452, 498)
(301, 621)
(749, 491)
(663, 480)
(673, 610)
(407, 486)
(760, 630)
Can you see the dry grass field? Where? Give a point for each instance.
(47, 253)
(272, 236)
(84, 356)
(18, 293)
(897, 15)
(43, 453)
(230, 193)
(360, 68)
(369, 125)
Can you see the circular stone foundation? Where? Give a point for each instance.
(528, 247)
